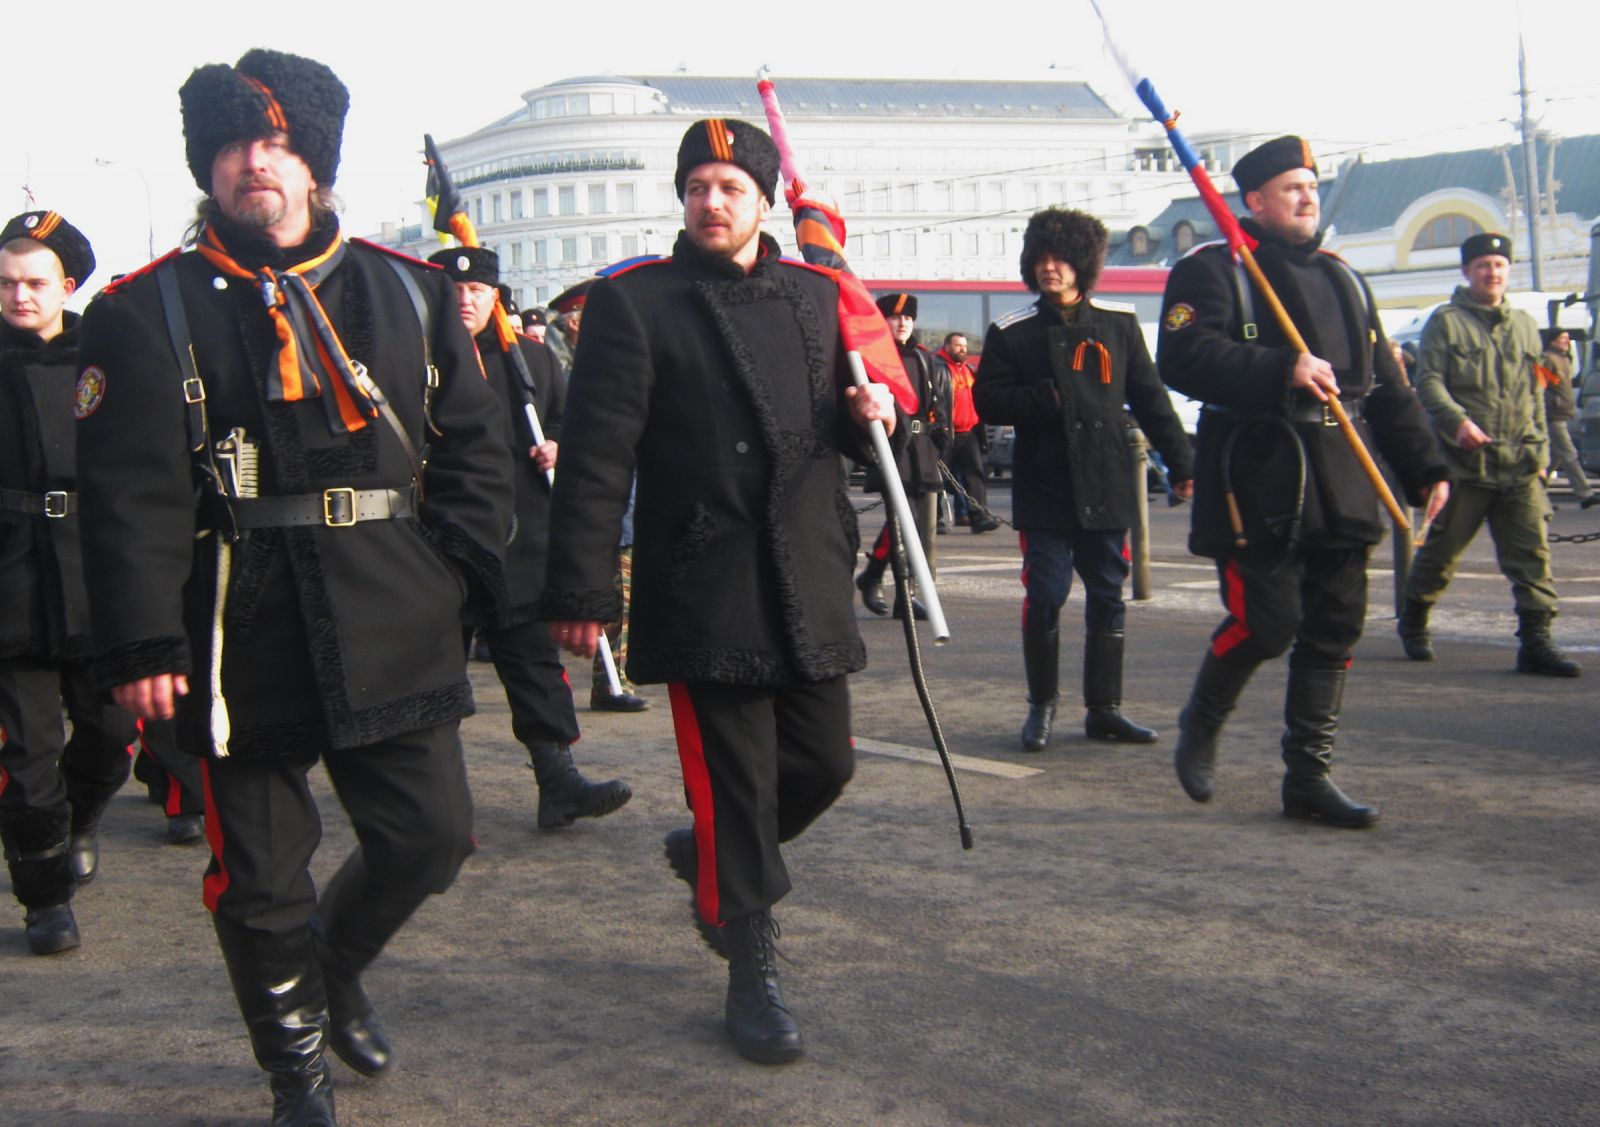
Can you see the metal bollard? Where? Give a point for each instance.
(1140, 532)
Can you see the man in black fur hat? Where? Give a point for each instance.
(285, 372)
(52, 789)
(1293, 570)
(1061, 372)
(917, 460)
(524, 655)
(720, 371)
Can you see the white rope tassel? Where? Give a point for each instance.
(220, 727)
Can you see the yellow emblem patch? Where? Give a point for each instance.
(91, 390)
(1178, 317)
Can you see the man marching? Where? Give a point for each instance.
(720, 372)
(52, 789)
(1061, 372)
(1293, 561)
(524, 655)
(282, 373)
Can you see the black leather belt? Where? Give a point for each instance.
(1310, 412)
(55, 504)
(339, 507)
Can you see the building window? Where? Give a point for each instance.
(880, 198)
(1138, 242)
(516, 204)
(567, 200)
(569, 249)
(850, 197)
(494, 208)
(938, 196)
(1446, 231)
(1183, 237)
(477, 207)
(908, 244)
(1030, 195)
(541, 252)
(969, 243)
(597, 248)
(908, 197)
(947, 244)
(997, 242)
(541, 202)
(516, 254)
(667, 199)
(880, 244)
(625, 202)
(967, 194)
(994, 195)
(597, 199)
(630, 246)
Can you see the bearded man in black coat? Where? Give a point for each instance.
(719, 372)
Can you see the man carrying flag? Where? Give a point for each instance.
(720, 373)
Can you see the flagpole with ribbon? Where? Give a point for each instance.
(1239, 244)
(446, 202)
(820, 233)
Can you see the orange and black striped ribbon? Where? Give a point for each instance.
(718, 134)
(46, 226)
(1105, 359)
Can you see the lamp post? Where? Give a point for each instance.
(149, 210)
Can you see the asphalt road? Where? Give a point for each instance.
(1109, 952)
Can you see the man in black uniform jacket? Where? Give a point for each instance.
(319, 614)
(52, 789)
(917, 458)
(1297, 572)
(1060, 371)
(524, 654)
(720, 371)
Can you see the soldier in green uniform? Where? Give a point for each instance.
(1477, 378)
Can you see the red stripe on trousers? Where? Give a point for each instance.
(880, 546)
(1022, 543)
(1233, 596)
(215, 884)
(697, 781)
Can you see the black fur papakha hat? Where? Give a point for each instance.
(1274, 158)
(898, 304)
(469, 264)
(732, 142)
(1488, 242)
(50, 230)
(1076, 237)
(265, 92)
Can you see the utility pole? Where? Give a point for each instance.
(1530, 171)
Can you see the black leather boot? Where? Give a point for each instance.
(88, 801)
(279, 989)
(354, 922)
(1216, 690)
(602, 699)
(1412, 626)
(1538, 653)
(35, 843)
(757, 1016)
(918, 611)
(684, 857)
(564, 794)
(1041, 659)
(1311, 721)
(870, 584)
(1102, 691)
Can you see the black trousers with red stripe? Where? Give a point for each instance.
(1315, 601)
(528, 662)
(759, 766)
(172, 775)
(407, 800)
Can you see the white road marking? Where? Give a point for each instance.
(960, 762)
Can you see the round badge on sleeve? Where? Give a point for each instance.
(1180, 316)
(91, 390)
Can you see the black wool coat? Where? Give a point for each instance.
(44, 613)
(726, 391)
(1202, 353)
(1043, 374)
(341, 636)
(530, 535)
(916, 456)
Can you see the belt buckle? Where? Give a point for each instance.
(339, 507)
(55, 504)
(916, 426)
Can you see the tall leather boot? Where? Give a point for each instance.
(1102, 691)
(870, 584)
(352, 925)
(1311, 721)
(88, 800)
(1412, 626)
(564, 794)
(756, 1014)
(35, 843)
(1538, 653)
(1041, 660)
(1216, 690)
(278, 986)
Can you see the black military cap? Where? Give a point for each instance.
(50, 230)
(265, 92)
(898, 304)
(1274, 158)
(571, 300)
(732, 142)
(1488, 242)
(469, 264)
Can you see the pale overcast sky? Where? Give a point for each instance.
(1418, 75)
